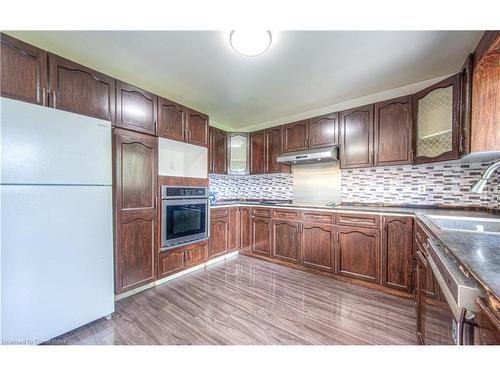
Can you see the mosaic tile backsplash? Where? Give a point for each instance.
(266, 186)
(447, 184)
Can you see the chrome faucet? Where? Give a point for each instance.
(479, 186)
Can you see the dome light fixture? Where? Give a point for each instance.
(250, 43)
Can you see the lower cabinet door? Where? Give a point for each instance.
(358, 253)
(234, 228)
(170, 262)
(261, 236)
(219, 230)
(397, 243)
(245, 229)
(196, 254)
(318, 246)
(286, 240)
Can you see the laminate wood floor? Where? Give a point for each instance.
(244, 300)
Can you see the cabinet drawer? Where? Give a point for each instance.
(219, 212)
(286, 214)
(170, 262)
(262, 212)
(358, 220)
(197, 253)
(318, 216)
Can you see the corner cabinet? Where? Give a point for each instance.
(76, 88)
(356, 137)
(23, 71)
(135, 181)
(135, 109)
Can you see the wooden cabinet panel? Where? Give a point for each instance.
(219, 229)
(358, 253)
(217, 151)
(171, 120)
(234, 228)
(23, 71)
(135, 174)
(196, 253)
(286, 214)
(170, 262)
(359, 220)
(485, 131)
(245, 229)
(286, 240)
(324, 131)
(487, 331)
(135, 108)
(78, 89)
(258, 152)
(356, 137)
(295, 136)
(393, 131)
(317, 248)
(261, 211)
(397, 246)
(197, 128)
(273, 150)
(219, 212)
(318, 216)
(261, 236)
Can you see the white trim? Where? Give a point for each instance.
(174, 276)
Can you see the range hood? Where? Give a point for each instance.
(320, 155)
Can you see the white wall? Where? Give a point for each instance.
(181, 159)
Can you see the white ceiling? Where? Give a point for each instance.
(303, 70)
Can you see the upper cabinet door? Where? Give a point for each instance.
(273, 150)
(238, 153)
(437, 121)
(78, 89)
(197, 128)
(324, 131)
(171, 120)
(295, 136)
(217, 151)
(23, 71)
(258, 152)
(356, 137)
(393, 131)
(135, 108)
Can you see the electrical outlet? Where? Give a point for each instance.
(422, 189)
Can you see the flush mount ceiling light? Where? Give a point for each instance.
(250, 43)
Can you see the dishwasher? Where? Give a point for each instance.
(447, 316)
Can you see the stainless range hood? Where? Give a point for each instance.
(320, 155)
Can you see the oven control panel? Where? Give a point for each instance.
(170, 192)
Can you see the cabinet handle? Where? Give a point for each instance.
(54, 98)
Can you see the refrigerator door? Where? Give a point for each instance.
(41, 145)
(56, 260)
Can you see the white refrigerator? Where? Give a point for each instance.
(56, 222)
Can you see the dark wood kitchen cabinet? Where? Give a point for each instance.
(24, 73)
(323, 131)
(219, 232)
(265, 147)
(217, 151)
(261, 236)
(171, 120)
(317, 247)
(356, 137)
(196, 253)
(397, 251)
(135, 175)
(136, 109)
(358, 253)
(245, 229)
(181, 258)
(197, 128)
(487, 329)
(393, 132)
(76, 88)
(295, 136)
(234, 228)
(286, 240)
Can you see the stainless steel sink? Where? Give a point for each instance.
(466, 224)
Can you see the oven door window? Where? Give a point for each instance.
(185, 221)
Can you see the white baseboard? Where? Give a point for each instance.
(174, 276)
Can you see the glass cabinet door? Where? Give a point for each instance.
(238, 151)
(437, 111)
